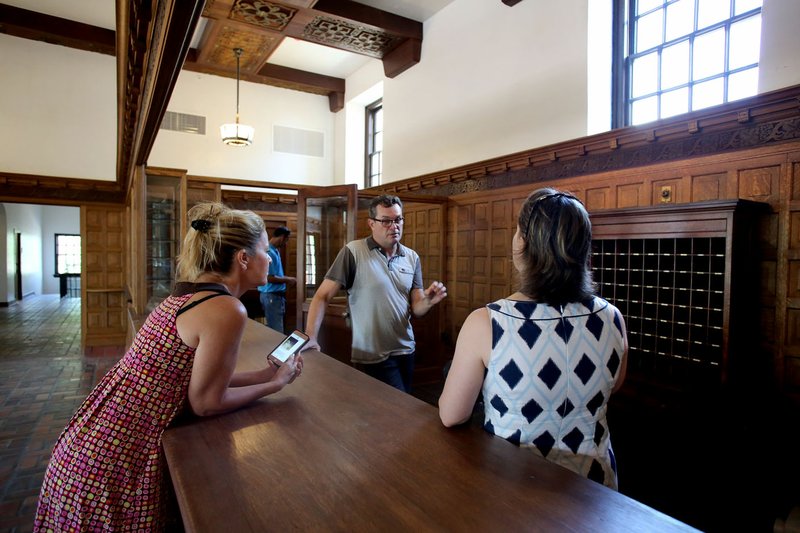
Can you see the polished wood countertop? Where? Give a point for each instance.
(340, 451)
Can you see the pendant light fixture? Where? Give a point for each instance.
(237, 134)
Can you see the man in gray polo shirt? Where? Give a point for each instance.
(383, 280)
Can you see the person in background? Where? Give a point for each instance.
(383, 280)
(547, 357)
(107, 468)
(273, 294)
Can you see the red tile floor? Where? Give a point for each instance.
(44, 376)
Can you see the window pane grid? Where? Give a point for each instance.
(68, 254)
(374, 146)
(665, 57)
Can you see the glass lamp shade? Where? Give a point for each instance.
(237, 134)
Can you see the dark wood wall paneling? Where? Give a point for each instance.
(748, 149)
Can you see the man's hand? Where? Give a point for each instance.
(435, 293)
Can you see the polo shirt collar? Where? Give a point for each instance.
(371, 244)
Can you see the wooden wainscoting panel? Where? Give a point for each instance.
(464, 215)
(630, 195)
(793, 331)
(668, 191)
(103, 285)
(463, 267)
(421, 219)
(480, 293)
(464, 242)
(794, 230)
(760, 184)
(432, 267)
(501, 270)
(462, 293)
(793, 289)
(480, 242)
(598, 198)
(481, 215)
(795, 178)
(517, 204)
(768, 235)
(480, 270)
(501, 212)
(501, 243)
(768, 286)
(708, 187)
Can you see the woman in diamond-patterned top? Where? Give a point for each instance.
(548, 357)
(106, 469)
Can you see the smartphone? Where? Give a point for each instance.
(288, 347)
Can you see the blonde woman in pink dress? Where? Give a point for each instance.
(106, 471)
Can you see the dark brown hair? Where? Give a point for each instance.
(557, 234)
(386, 200)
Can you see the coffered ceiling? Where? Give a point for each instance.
(305, 45)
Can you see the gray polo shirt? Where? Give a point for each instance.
(379, 297)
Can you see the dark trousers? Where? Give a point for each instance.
(396, 371)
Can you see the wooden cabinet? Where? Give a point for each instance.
(683, 278)
(164, 208)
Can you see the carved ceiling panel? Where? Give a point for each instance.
(352, 37)
(264, 14)
(254, 44)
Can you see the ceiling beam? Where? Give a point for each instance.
(280, 76)
(55, 30)
(153, 47)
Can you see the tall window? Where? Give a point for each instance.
(686, 55)
(68, 254)
(374, 153)
(311, 259)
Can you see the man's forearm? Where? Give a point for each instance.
(314, 320)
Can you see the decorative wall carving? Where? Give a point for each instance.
(759, 121)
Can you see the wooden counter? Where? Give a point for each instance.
(340, 451)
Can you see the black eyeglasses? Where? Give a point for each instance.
(387, 222)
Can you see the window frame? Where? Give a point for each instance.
(56, 254)
(370, 113)
(624, 34)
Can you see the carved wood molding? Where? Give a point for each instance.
(758, 121)
(29, 188)
(152, 49)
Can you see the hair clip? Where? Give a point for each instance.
(201, 225)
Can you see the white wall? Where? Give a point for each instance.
(779, 64)
(58, 109)
(260, 106)
(55, 219)
(26, 220)
(492, 80)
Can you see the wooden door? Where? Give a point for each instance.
(103, 309)
(326, 221)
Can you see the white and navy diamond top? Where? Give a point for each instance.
(549, 379)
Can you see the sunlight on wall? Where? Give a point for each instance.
(599, 52)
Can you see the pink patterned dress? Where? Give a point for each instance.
(106, 470)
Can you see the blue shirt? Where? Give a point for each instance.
(275, 269)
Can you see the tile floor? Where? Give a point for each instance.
(44, 376)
